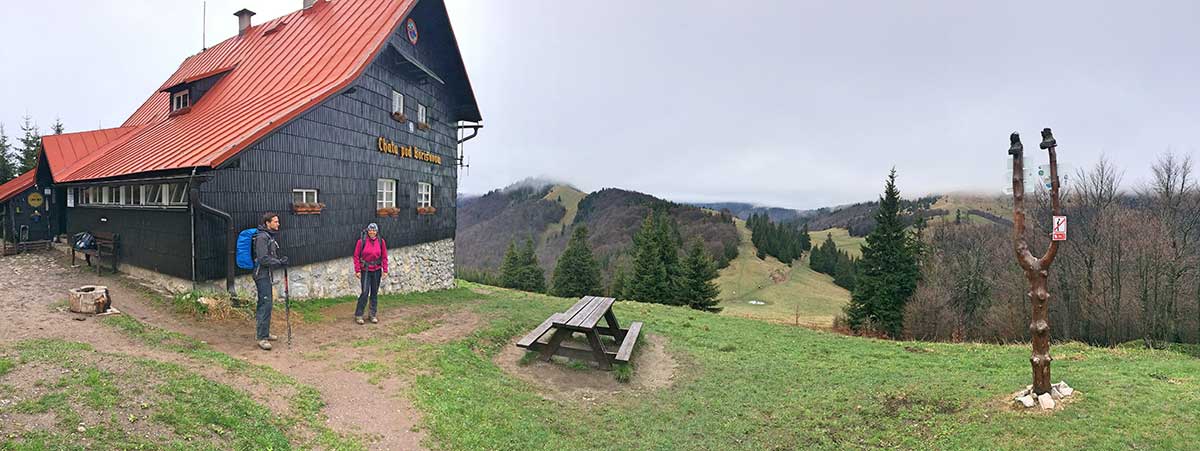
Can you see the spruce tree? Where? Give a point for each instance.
(532, 277)
(576, 274)
(805, 239)
(31, 146)
(57, 128)
(669, 241)
(698, 287)
(845, 273)
(649, 282)
(7, 170)
(510, 270)
(619, 281)
(888, 270)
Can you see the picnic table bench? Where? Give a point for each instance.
(583, 318)
(106, 246)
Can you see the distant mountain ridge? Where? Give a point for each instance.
(532, 209)
(743, 210)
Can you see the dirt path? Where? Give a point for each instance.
(32, 283)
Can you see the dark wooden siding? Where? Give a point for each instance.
(38, 230)
(152, 239)
(333, 148)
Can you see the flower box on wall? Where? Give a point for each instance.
(426, 210)
(308, 208)
(399, 117)
(387, 212)
(423, 125)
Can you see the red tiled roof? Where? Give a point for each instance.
(65, 150)
(276, 77)
(17, 186)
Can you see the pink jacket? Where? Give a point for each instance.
(372, 253)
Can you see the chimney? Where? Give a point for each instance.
(309, 3)
(243, 20)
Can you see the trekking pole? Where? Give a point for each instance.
(287, 305)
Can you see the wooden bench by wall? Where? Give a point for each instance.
(106, 246)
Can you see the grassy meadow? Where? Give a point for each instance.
(740, 384)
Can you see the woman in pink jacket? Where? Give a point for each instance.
(370, 256)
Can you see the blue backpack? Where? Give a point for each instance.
(245, 248)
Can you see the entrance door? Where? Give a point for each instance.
(34, 217)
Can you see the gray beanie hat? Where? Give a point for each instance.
(373, 226)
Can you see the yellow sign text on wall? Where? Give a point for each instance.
(387, 146)
(35, 200)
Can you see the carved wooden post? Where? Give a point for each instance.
(1036, 269)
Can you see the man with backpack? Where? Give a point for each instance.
(266, 258)
(370, 265)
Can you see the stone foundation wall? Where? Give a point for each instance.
(417, 268)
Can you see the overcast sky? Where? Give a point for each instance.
(788, 103)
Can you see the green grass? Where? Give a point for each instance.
(740, 385)
(200, 413)
(841, 238)
(305, 406)
(745, 384)
(316, 310)
(805, 293)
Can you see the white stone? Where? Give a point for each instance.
(1027, 401)
(1046, 401)
(1054, 393)
(1065, 389)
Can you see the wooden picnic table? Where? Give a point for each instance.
(583, 318)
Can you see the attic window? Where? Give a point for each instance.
(181, 100)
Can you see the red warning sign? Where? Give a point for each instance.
(1060, 229)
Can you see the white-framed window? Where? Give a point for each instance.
(422, 115)
(83, 196)
(177, 194)
(386, 194)
(106, 196)
(424, 194)
(397, 102)
(304, 196)
(137, 194)
(123, 196)
(153, 194)
(181, 99)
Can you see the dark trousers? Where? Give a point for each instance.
(262, 313)
(370, 289)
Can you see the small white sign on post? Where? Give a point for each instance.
(1060, 229)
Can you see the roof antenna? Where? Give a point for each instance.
(203, 26)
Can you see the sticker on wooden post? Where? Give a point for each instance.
(1060, 229)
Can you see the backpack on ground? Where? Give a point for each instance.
(245, 248)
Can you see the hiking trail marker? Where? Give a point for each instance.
(1060, 229)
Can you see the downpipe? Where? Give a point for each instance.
(230, 234)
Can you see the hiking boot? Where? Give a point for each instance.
(272, 338)
(358, 319)
(264, 344)
(374, 320)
